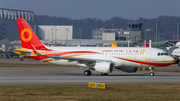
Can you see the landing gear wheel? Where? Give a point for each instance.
(87, 73)
(104, 74)
(151, 74)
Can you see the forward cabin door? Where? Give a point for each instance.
(148, 54)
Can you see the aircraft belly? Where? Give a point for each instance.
(127, 64)
(134, 64)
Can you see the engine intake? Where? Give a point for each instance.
(104, 67)
(176, 61)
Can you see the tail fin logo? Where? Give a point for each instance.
(29, 36)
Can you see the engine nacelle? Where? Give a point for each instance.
(176, 60)
(104, 67)
(129, 69)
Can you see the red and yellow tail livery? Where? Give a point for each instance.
(28, 37)
(29, 41)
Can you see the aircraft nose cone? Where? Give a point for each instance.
(171, 60)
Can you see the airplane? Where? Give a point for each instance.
(101, 59)
(176, 55)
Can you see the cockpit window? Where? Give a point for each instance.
(165, 53)
(161, 54)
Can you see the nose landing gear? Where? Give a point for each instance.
(151, 74)
(151, 71)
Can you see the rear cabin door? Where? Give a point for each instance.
(42, 57)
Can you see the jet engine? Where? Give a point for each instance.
(177, 60)
(129, 69)
(104, 67)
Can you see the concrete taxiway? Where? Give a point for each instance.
(20, 76)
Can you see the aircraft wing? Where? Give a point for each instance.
(70, 58)
(86, 61)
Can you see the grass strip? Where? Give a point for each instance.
(169, 92)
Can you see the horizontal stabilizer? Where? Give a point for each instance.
(22, 51)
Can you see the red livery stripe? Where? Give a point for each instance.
(152, 63)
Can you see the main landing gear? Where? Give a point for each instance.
(151, 74)
(151, 71)
(87, 72)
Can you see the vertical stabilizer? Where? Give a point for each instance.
(28, 37)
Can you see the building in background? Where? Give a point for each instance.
(8, 24)
(55, 33)
(134, 34)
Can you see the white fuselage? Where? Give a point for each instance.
(114, 54)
